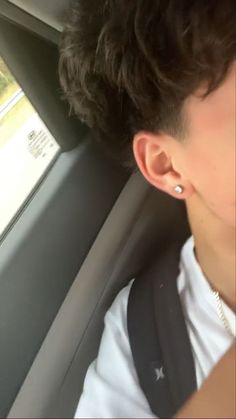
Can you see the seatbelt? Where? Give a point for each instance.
(159, 338)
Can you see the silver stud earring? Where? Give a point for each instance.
(179, 189)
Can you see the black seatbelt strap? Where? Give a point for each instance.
(159, 338)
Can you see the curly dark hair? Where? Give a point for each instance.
(128, 65)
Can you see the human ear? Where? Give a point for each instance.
(154, 156)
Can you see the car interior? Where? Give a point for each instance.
(84, 232)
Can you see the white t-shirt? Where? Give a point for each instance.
(111, 388)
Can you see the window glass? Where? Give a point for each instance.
(27, 148)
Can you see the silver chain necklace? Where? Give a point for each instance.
(221, 313)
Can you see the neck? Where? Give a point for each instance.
(215, 252)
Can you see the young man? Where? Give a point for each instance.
(155, 79)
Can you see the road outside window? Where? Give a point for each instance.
(26, 147)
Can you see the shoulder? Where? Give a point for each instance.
(117, 314)
(111, 387)
(115, 339)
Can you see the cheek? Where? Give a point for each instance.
(212, 173)
(210, 149)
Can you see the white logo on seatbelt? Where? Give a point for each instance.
(159, 374)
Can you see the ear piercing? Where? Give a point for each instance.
(179, 189)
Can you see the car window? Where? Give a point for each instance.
(27, 149)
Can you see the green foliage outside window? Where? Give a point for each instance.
(6, 77)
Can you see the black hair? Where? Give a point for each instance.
(128, 65)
